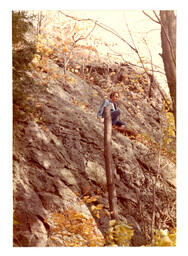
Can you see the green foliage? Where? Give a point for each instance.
(164, 238)
(169, 136)
(119, 234)
(78, 229)
(23, 50)
(20, 26)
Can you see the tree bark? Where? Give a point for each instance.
(168, 43)
(108, 163)
(39, 22)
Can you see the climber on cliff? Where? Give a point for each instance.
(115, 112)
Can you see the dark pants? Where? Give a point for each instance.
(115, 121)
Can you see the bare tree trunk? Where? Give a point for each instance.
(108, 163)
(155, 180)
(168, 41)
(39, 22)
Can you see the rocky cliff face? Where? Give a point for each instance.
(58, 157)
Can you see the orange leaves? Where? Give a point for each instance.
(38, 105)
(65, 49)
(112, 73)
(74, 70)
(94, 93)
(96, 209)
(89, 47)
(76, 228)
(44, 128)
(36, 75)
(70, 80)
(62, 41)
(54, 76)
(67, 41)
(89, 199)
(58, 38)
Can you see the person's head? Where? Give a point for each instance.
(114, 96)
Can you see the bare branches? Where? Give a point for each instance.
(152, 75)
(141, 61)
(157, 17)
(150, 55)
(156, 68)
(151, 30)
(83, 37)
(76, 38)
(151, 17)
(149, 72)
(111, 30)
(103, 26)
(166, 34)
(74, 18)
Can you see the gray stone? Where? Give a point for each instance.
(57, 159)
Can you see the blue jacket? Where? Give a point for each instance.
(104, 104)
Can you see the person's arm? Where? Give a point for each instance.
(100, 114)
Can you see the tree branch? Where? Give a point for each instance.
(82, 37)
(150, 17)
(103, 26)
(141, 61)
(151, 76)
(135, 65)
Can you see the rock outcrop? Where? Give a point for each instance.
(58, 155)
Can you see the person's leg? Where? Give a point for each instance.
(124, 127)
(114, 115)
(120, 123)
